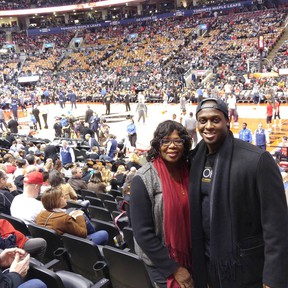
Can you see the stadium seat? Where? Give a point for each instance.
(105, 196)
(17, 223)
(110, 205)
(129, 238)
(85, 192)
(126, 269)
(115, 193)
(85, 257)
(115, 238)
(100, 213)
(53, 240)
(62, 279)
(95, 201)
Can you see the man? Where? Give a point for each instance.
(25, 206)
(50, 151)
(88, 114)
(91, 141)
(13, 125)
(127, 101)
(107, 100)
(72, 98)
(46, 96)
(7, 193)
(76, 181)
(282, 150)
(94, 124)
(2, 120)
(66, 153)
(245, 134)
(57, 128)
(18, 262)
(44, 111)
(14, 108)
(141, 108)
(239, 217)
(36, 113)
(112, 145)
(231, 101)
(190, 124)
(260, 137)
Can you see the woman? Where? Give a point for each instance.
(56, 179)
(159, 208)
(56, 218)
(96, 183)
(133, 161)
(120, 175)
(132, 135)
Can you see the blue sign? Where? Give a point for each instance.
(180, 13)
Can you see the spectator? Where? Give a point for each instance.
(67, 155)
(55, 217)
(229, 177)
(25, 206)
(76, 181)
(7, 191)
(245, 134)
(17, 260)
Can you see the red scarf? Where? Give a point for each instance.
(176, 216)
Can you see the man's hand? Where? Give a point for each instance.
(265, 286)
(183, 277)
(8, 256)
(20, 266)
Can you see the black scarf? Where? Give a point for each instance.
(222, 260)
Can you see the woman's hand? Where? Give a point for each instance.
(76, 213)
(183, 277)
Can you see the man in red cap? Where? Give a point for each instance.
(26, 206)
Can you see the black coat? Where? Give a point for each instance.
(258, 215)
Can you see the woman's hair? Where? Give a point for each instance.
(55, 178)
(96, 177)
(120, 169)
(165, 129)
(134, 158)
(51, 198)
(2, 173)
(58, 164)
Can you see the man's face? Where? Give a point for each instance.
(79, 173)
(213, 127)
(244, 126)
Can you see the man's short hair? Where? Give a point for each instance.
(30, 159)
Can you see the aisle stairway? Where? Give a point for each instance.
(274, 51)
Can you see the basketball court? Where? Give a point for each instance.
(253, 114)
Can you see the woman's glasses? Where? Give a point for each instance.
(168, 142)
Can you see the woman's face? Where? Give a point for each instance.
(3, 180)
(172, 152)
(63, 202)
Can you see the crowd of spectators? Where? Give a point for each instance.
(155, 60)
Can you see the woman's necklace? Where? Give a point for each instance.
(182, 187)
